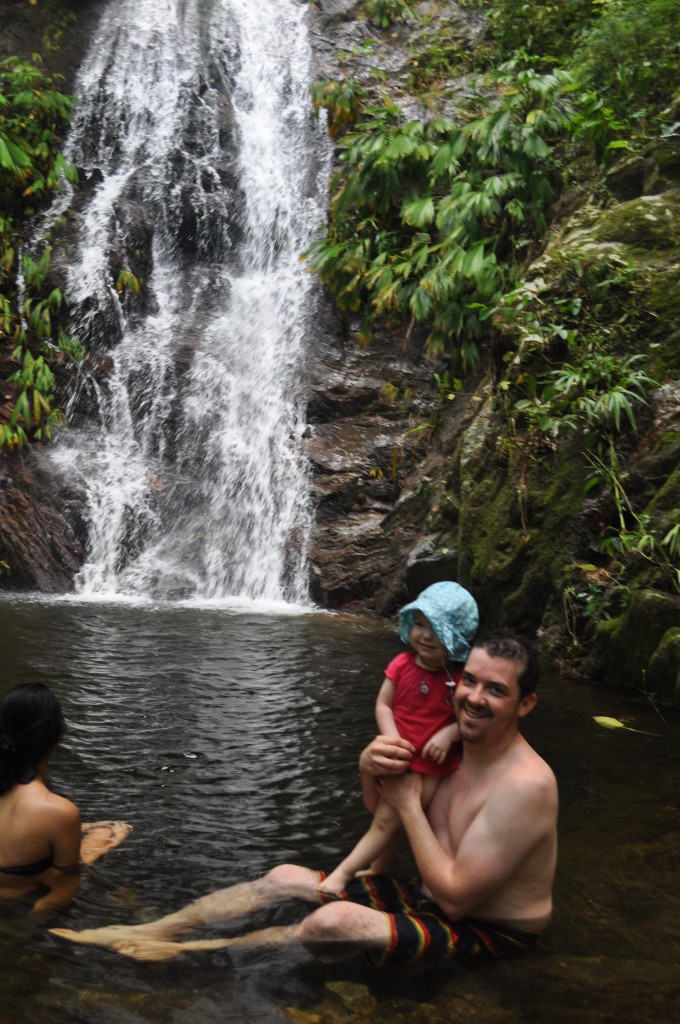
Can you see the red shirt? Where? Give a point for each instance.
(422, 706)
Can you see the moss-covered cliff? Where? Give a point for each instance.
(549, 480)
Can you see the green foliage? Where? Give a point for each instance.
(538, 28)
(624, 53)
(31, 116)
(577, 322)
(447, 386)
(435, 64)
(631, 57)
(384, 13)
(586, 297)
(343, 100)
(590, 595)
(426, 218)
(597, 125)
(594, 394)
(127, 282)
(38, 346)
(636, 533)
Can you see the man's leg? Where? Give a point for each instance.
(332, 932)
(288, 881)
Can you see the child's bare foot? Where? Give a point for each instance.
(334, 883)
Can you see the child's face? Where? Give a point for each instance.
(430, 651)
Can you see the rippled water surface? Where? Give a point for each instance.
(228, 738)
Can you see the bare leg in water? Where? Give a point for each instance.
(98, 837)
(335, 930)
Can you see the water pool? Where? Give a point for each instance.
(228, 738)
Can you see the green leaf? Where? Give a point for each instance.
(21, 411)
(419, 213)
(401, 145)
(6, 160)
(614, 723)
(474, 260)
(421, 304)
(535, 146)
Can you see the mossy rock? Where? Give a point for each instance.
(665, 156)
(513, 527)
(667, 498)
(658, 289)
(490, 536)
(628, 647)
(650, 222)
(664, 666)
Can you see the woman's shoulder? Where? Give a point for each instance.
(63, 808)
(38, 801)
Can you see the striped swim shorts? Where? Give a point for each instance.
(419, 930)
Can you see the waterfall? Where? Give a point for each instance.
(207, 178)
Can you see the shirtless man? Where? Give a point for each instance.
(485, 848)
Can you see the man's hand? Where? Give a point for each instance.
(386, 755)
(403, 791)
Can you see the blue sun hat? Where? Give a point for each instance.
(451, 611)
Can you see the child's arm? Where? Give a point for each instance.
(437, 747)
(383, 709)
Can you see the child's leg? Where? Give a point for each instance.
(374, 853)
(430, 783)
(385, 825)
(382, 864)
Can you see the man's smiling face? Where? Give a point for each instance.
(487, 699)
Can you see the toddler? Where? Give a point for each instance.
(415, 702)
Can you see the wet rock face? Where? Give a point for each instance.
(42, 535)
(364, 444)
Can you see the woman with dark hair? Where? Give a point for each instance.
(42, 841)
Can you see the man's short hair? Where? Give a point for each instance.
(504, 643)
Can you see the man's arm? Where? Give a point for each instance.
(501, 835)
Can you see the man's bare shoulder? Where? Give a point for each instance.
(527, 773)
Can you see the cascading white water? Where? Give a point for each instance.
(197, 115)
